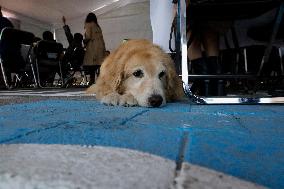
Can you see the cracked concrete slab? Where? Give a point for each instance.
(33, 166)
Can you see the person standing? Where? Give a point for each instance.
(95, 46)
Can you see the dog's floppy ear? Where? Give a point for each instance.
(117, 80)
(109, 80)
(174, 90)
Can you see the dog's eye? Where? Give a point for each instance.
(138, 73)
(161, 74)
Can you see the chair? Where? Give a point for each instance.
(48, 62)
(216, 10)
(270, 34)
(11, 59)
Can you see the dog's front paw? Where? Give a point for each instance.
(111, 99)
(117, 99)
(127, 100)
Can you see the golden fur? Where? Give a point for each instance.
(137, 73)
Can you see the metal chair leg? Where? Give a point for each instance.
(38, 77)
(245, 60)
(32, 68)
(4, 74)
(275, 29)
(281, 60)
(34, 76)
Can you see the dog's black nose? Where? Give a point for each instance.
(155, 100)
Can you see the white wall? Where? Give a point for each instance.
(35, 28)
(76, 26)
(26, 23)
(126, 19)
(162, 15)
(131, 21)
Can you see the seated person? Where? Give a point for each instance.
(48, 53)
(74, 54)
(203, 52)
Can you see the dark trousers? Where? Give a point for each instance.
(92, 71)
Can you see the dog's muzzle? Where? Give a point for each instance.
(155, 100)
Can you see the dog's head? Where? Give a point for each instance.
(144, 71)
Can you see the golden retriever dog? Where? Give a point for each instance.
(138, 73)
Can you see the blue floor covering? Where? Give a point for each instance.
(246, 141)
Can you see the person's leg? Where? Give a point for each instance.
(92, 72)
(194, 50)
(98, 70)
(211, 46)
(210, 41)
(198, 66)
(195, 56)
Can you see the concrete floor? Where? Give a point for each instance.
(243, 141)
(36, 166)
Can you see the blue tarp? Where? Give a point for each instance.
(246, 141)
